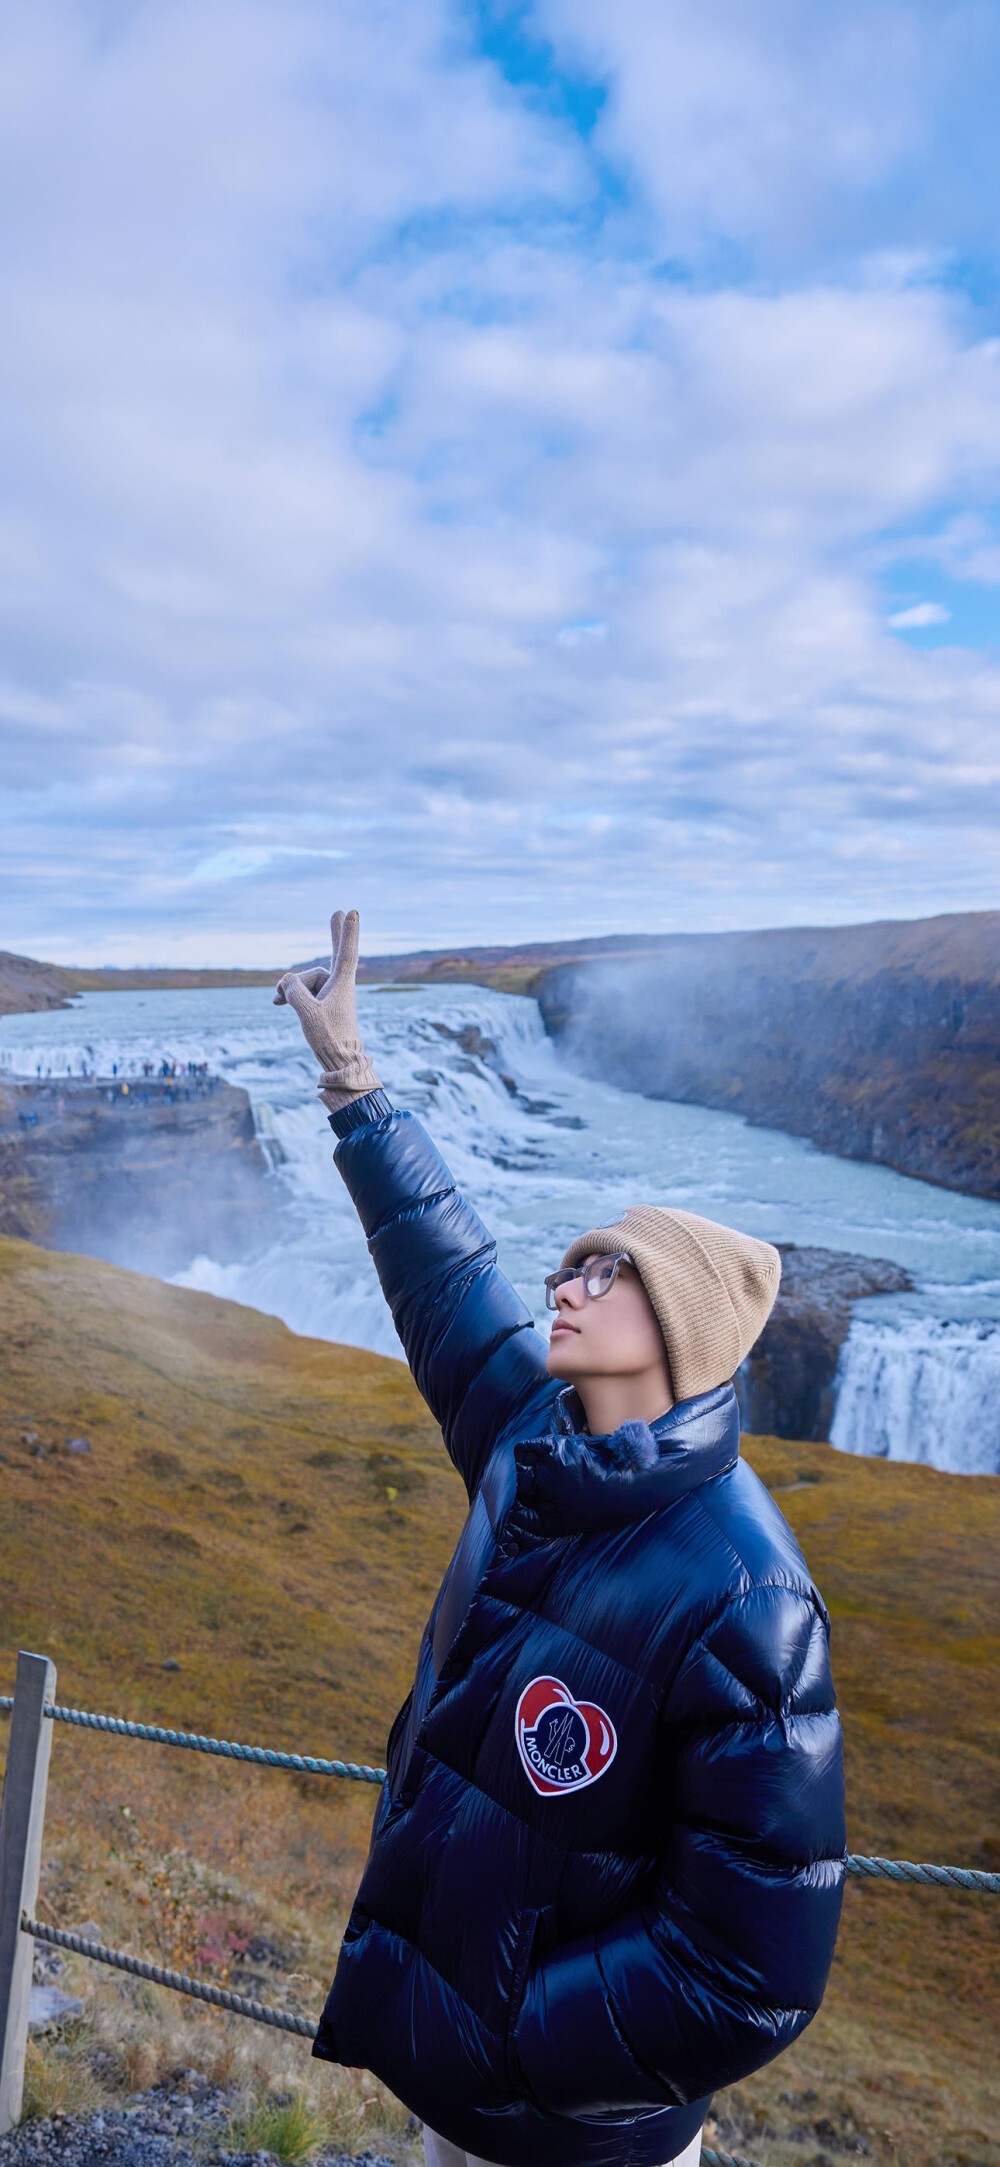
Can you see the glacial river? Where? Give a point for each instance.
(543, 1152)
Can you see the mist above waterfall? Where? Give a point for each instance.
(877, 1042)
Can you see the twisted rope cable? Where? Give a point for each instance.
(237, 2004)
(305, 1763)
(220, 1998)
(949, 1877)
(953, 1877)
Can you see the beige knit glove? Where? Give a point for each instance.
(324, 1002)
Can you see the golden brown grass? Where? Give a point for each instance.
(291, 2129)
(234, 1516)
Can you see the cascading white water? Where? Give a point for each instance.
(543, 1152)
(921, 1388)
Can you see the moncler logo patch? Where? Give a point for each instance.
(563, 1743)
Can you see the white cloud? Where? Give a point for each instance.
(920, 615)
(792, 132)
(241, 860)
(372, 498)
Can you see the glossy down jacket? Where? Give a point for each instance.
(606, 1869)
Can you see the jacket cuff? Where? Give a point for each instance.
(372, 1106)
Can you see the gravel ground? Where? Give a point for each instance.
(158, 2128)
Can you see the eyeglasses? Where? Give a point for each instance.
(598, 1277)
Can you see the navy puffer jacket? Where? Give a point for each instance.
(607, 1866)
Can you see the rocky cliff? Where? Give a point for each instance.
(785, 1386)
(878, 1042)
(27, 985)
(146, 1175)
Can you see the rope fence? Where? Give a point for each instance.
(199, 1990)
(237, 2004)
(32, 1708)
(956, 1877)
(302, 1763)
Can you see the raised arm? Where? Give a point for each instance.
(468, 1338)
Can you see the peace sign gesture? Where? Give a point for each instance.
(325, 1004)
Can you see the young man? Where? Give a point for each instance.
(606, 1867)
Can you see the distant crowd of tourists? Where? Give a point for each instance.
(167, 1079)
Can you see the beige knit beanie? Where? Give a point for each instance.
(712, 1288)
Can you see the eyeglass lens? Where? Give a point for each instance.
(598, 1276)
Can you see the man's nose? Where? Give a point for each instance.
(571, 1292)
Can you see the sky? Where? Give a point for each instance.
(519, 470)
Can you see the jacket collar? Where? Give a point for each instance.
(572, 1482)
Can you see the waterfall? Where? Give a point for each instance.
(543, 1152)
(921, 1388)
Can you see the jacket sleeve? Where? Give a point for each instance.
(727, 1960)
(468, 1338)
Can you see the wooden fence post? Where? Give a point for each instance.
(22, 1818)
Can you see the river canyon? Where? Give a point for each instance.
(891, 1346)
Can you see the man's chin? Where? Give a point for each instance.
(559, 1359)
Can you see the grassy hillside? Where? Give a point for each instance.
(272, 1514)
(960, 948)
(27, 985)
